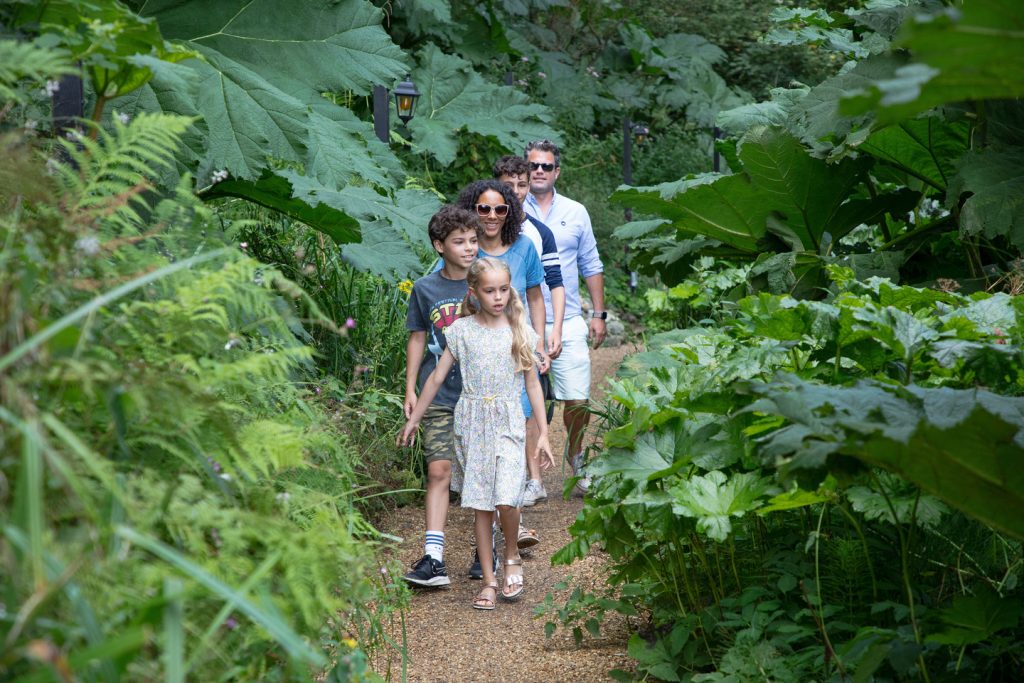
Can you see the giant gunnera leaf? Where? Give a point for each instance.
(456, 98)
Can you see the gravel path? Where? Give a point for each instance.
(449, 642)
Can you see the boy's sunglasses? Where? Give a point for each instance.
(548, 168)
(486, 209)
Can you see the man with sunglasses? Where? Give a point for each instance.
(578, 257)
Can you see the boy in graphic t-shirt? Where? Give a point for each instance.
(434, 304)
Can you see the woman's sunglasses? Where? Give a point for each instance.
(485, 210)
(548, 168)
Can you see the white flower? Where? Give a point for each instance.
(541, 74)
(220, 175)
(31, 124)
(52, 87)
(51, 166)
(525, 58)
(123, 118)
(89, 245)
(283, 497)
(73, 135)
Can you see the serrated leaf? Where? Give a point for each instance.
(974, 618)
(727, 209)
(995, 179)
(926, 148)
(807, 192)
(302, 48)
(713, 498)
(455, 97)
(974, 51)
(647, 458)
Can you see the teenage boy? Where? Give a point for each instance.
(515, 173)
(578, 256)
(434, 304)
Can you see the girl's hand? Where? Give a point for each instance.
(543, 360)
(543, 453)
(408, 435)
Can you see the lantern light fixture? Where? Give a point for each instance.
(406, 96)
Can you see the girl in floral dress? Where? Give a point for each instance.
(494, 349)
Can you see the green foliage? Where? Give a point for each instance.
(181, 502)
(456, 97)
(971, 52)
(851, 428)
(29, 61)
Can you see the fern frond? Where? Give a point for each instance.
(109, 175)
(28, 61)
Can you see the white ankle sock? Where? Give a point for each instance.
(434, 545)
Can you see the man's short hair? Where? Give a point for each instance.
(544, 146)
(450, 218)
(510, 166)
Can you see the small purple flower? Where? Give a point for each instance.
(230, 624)
(350, 323)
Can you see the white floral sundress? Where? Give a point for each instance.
(490, 430)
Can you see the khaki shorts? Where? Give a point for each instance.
(439, 433)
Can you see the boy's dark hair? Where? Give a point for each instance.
(470, 194)
(510, 165)
(450, 218)
(544, 146)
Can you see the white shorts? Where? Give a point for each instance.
(570, 372)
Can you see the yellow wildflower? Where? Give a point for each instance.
(351, 642)
(405, 286)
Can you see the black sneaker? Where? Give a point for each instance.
(428, 572)
(476, 570)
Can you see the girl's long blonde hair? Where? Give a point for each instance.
(522, 352)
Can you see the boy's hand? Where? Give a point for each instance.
(408, 435)
(555, 344)
(410, 405)
(544, 456)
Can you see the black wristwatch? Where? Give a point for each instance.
(599, 315)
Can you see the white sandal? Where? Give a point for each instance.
(513, 581)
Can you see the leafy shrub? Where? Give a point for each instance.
(181, 504)
(747, 472)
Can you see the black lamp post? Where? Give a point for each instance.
(640, 132)
(406, 96)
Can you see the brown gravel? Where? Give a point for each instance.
(449, 642)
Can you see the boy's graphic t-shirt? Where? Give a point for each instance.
(435, 303)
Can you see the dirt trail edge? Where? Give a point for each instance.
(450, 642)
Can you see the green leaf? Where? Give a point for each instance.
(275, 192)
(926, 148)
(974, 618)
(275, 626)
(971, 52)
(301, 48)
(713, 498)
(995, 207)
(455, 97)
(647, 458)
(807, 193)
(727, 209)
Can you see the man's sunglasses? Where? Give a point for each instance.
(548, 168)
(485, 210)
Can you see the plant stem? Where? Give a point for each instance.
(864, 544)
(905, 569)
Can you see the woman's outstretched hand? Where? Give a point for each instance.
(546, 459)
(408, 435)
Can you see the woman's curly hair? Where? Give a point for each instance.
(470, 195)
